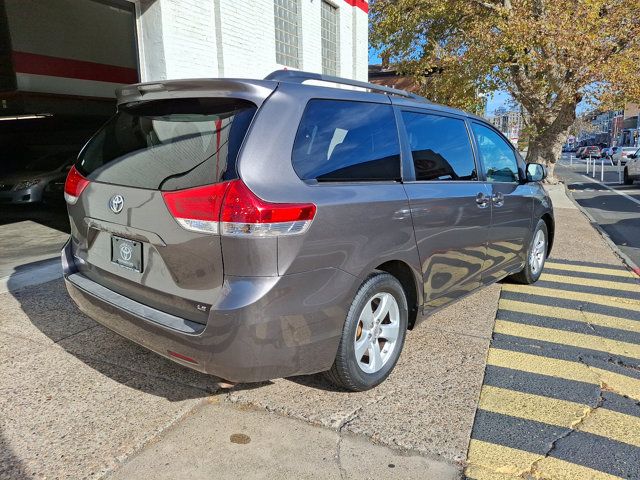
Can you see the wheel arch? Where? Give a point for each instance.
(407, 278)
(547, 218)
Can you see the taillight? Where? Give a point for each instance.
(197, 209)
(245, 214)
(74, 186)
(231, 209)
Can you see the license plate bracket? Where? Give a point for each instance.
(126, 253)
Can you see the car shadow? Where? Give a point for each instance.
(10, 465)
(53, 319)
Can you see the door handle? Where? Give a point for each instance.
(482, 200)
(497, 199)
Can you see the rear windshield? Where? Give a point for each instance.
(169, 144)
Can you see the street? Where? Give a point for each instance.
(615, 207)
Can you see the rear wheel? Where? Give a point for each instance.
(626, 178)
(373, 334)
(536, 256)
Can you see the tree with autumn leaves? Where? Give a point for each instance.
(548, 54)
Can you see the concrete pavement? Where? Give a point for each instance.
(222, 441)
(77, 401)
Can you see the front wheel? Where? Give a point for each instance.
(536, 256)
(372, 336)
(626, 178)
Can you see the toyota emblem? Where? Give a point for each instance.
(125, 252)
(116, 203)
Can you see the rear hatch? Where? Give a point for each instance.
(144, 198)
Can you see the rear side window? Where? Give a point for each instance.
(498, 158)
(343, 141)
(169, 144)
(440, 147)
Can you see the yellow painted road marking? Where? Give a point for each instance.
(578, 340)
(576, 315)
(605, 300)
(562, 413)
(514, 462)
(586, 269)
(620, 384)
(587, 282)
(532, 407)
(615, 425)
(552, 367)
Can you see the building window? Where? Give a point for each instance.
(287, 21)
(329, 29)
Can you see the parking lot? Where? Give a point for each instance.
(559, 397)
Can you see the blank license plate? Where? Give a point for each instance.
(126, 253)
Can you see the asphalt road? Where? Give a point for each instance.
(615, 207)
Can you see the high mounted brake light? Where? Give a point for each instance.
(74, 185)
(231, 209)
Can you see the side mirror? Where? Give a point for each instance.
(633, 155)
(536, 172)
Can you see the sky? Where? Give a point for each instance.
(495, 100)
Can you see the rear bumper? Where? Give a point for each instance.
(261, 327)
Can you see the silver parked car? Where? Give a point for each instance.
(255, 229)
(26, 186)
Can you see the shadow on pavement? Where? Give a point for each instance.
(53, 314)
(48, 215)
(10, 466)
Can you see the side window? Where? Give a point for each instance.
(440, 147)
(497, 155)
(343, 141)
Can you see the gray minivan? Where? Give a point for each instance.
(255, 229)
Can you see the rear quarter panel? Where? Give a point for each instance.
(357, 226)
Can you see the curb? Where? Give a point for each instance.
(630, 264)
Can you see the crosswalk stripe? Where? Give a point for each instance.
(573, 339)
(571, 314)
(620, 384)
(531, 407)
(605, 300)
(552, 411)
(587, 282)
(588, 269)
(484, 456)
(541, 365)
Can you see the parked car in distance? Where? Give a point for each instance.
(580, 151)
(622, 154)
(592, 151)
(26, 186)
(254, 229)
(631, 171)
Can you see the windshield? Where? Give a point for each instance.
(169, 144)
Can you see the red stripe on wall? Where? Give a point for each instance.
(361, 4)
(35, 64)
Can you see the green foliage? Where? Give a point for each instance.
(548, 54)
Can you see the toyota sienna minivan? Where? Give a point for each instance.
(255, 229)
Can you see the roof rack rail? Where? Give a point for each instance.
(298, 76)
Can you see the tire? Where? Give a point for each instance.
(536, 257)
(627, 180)
(359, 374)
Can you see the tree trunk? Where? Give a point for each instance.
(546, 149)
(545, 143)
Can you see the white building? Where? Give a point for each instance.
(232, 38)
(61, 60)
